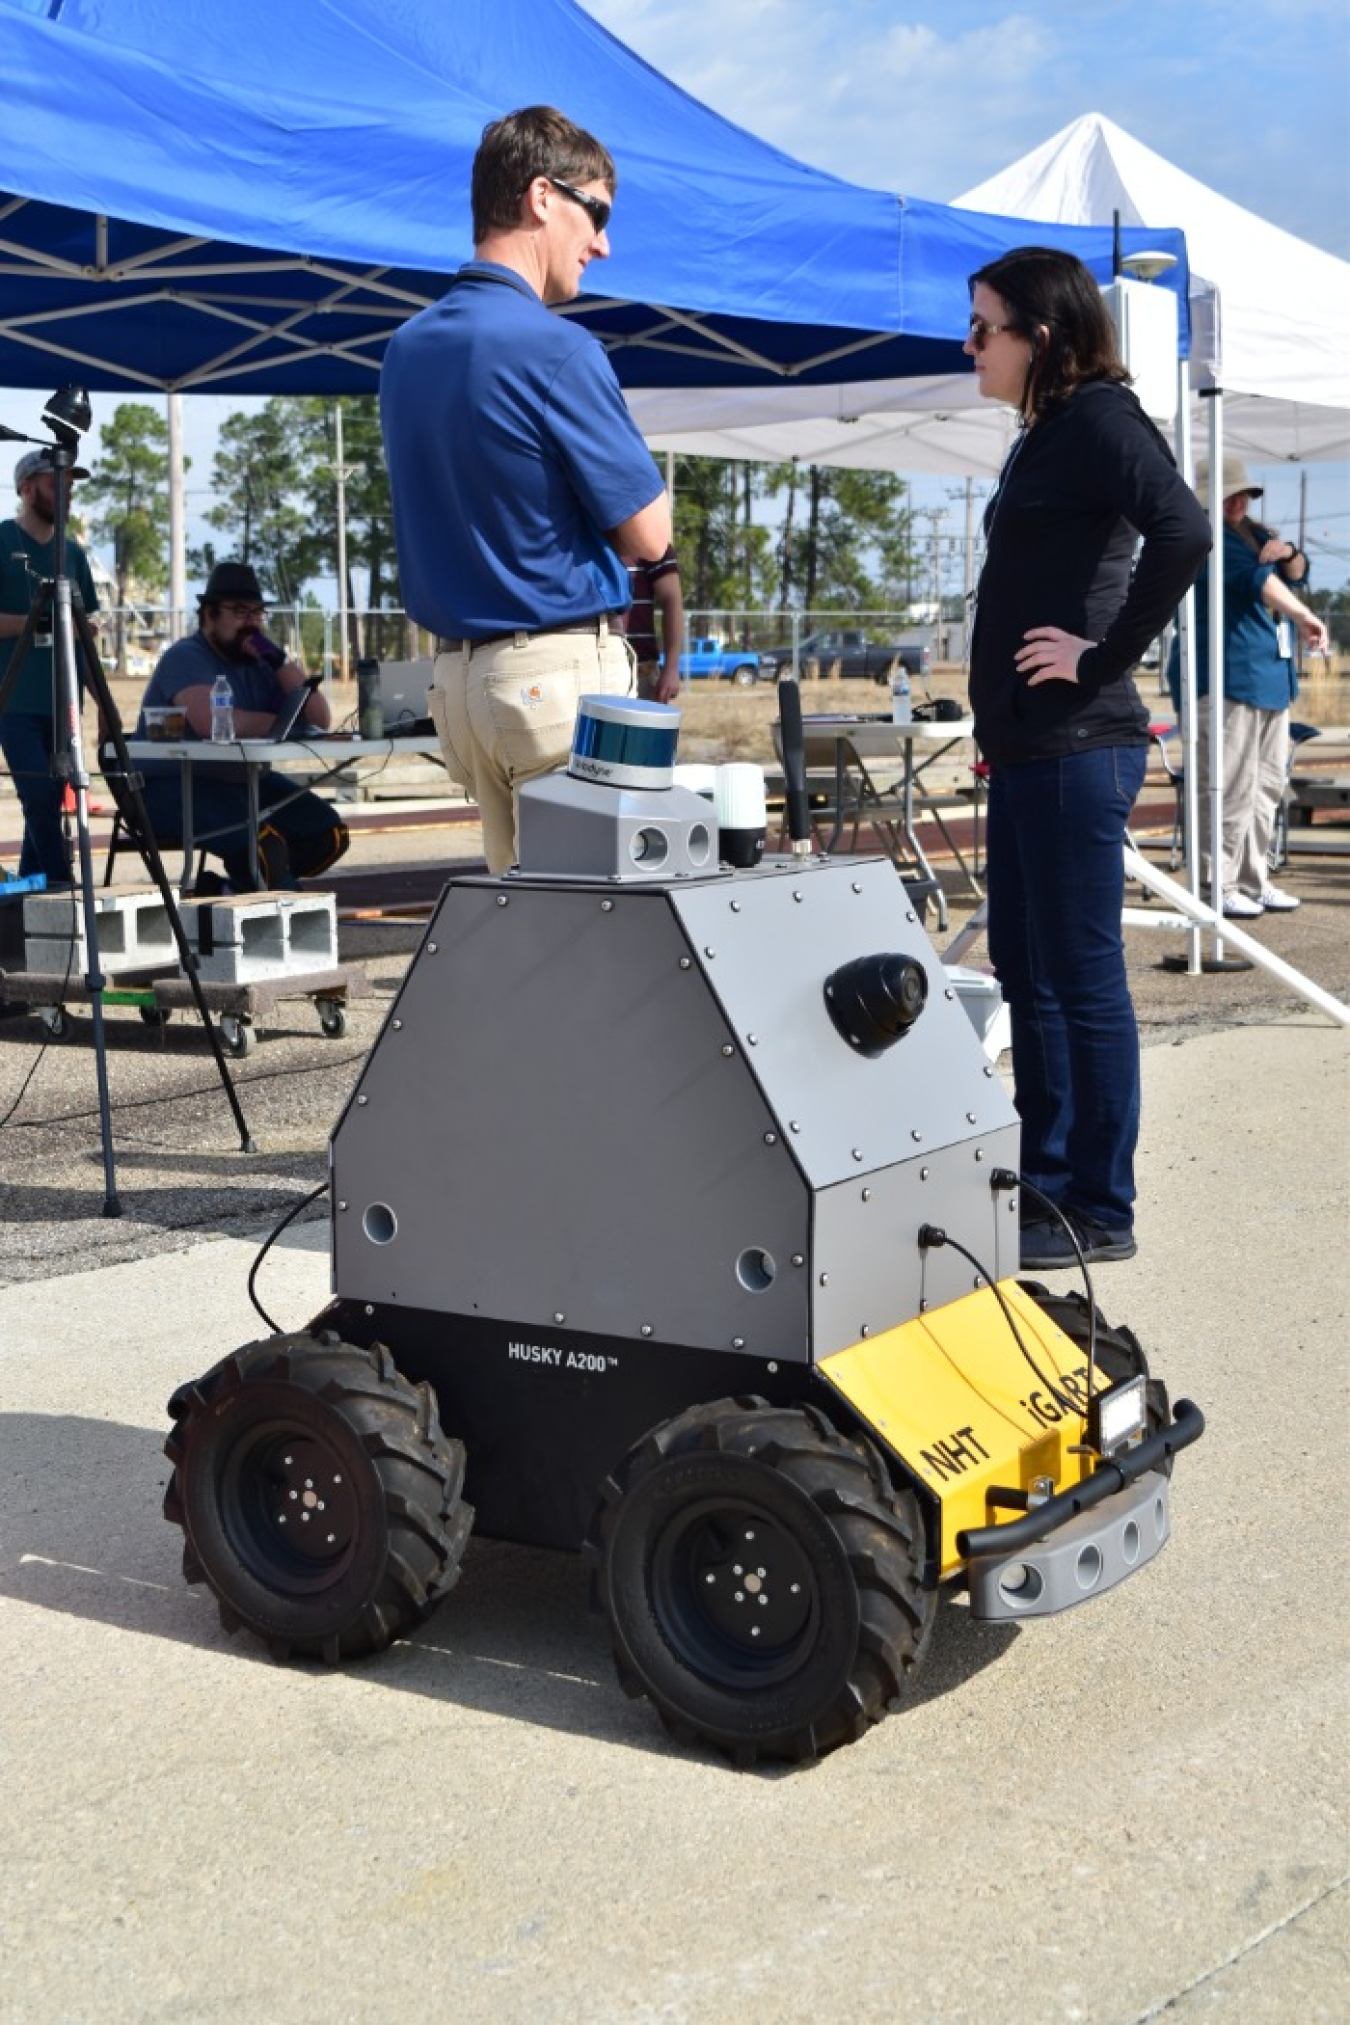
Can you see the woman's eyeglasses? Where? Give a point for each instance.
(980, 332)
(596, 209)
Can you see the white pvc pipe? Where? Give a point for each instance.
(1137, 867)
(1187, 728)
(1216, 667)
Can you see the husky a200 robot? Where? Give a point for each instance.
(675, 1222)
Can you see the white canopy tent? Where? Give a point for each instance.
(1284, 366)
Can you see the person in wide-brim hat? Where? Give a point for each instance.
(1236, 478)
(1260, 681)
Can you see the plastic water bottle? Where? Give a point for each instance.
(222, 711)
(902, 706)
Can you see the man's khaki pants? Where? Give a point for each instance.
(505, 713)
(1255, 766)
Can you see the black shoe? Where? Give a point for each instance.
(1047, 1246)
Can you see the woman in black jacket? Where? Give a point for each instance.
(1063, 614)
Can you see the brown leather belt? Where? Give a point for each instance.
(605, 619)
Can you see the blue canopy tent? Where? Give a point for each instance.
(249, 198)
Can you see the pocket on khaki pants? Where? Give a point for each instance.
(532, 717)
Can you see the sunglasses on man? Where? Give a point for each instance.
(596, 209)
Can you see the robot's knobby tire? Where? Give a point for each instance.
(761, 1579)
(318, 1496)
(1119, 1353)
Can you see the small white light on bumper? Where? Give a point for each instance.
(1118, 1417)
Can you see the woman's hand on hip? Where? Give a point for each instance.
(1051, 655)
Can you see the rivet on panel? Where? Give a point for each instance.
(710, 952)
(771, 1366)
(503, 900)
(909, 914)
(363, 1100)
(857, 1153)
(559, 1317)
(606, 906)
(753, 1040)
(824, 1279)
(978, 1280)
(738, 1342)
(770, 1138)
(798, 1258)
(646, 1329)
(398, 1026)
(432, 948)
(735, 906)
(924, 1173)
(727, 1048)
(865, 1330)
(987, 1070)
(342, 1205)
(970, 1117)
(915, 1134)
(923, 1307)
(979, 1153)
(857, 887)
(949, 994)
(794, 1124)
(798, 898)
(369, 1309)
(867, 1195)
(686, 963)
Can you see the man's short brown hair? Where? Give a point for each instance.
(537, 141)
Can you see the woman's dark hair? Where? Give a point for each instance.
(537, 141)
(1049, 291)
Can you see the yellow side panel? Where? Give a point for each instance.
(952, 1394)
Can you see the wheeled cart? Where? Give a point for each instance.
(238, 1009)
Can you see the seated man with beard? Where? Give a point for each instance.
(299, 834)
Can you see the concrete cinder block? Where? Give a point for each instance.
(132, 925)
(249, 937)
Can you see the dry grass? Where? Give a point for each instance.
(721, 722)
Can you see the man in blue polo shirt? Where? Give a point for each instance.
(520, 483)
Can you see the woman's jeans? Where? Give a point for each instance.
(1056, 885)
(26, 740)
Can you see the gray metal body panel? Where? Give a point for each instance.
(1094, 1552)
(887, 1144)
(623, 1103)
(551, 1126)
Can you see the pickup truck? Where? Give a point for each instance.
(849, 653)
(707, 657)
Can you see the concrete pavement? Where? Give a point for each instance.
(1137, 1810)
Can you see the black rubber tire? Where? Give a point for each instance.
(1119, 1352)
(332, 1018)
(745, 674)
(693, 1498)
(237, 1037)
(253, 1444)
(155, 1015)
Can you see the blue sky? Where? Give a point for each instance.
(931, 100)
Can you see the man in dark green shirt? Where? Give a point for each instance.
(27, 728)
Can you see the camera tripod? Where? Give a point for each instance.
(56, 602)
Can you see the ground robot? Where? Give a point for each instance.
(675, 1222)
